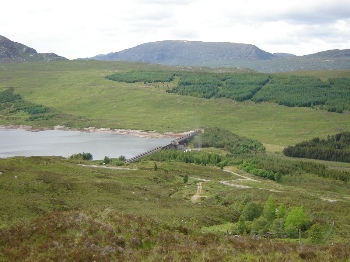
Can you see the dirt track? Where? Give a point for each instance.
(198, 193)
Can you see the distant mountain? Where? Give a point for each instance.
(15, 52)
(217, 54)
(283, 54)
(325, 60)
(336, 53)
(172, 52)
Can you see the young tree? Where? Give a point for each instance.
(251, 211)
(260, 226)
(242, 227)
(277, 227)
(269, 211)
(281, 211)
(297, 218)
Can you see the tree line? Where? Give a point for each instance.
(142, 76)
(14, 103)
(221, 138)
(275, 168)
(190, 157)
(334, 148)
(288, 90)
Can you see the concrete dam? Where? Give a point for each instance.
(177, 143)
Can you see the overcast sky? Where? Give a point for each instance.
(77, 28)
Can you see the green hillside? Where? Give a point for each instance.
(82, 96)
(233, 197)
(52, 208)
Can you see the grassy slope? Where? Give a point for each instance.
(32, 187)
(35, 185)
(59, 209)
(79, 88)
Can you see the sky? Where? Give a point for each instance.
(80, 29)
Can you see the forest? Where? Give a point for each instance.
(334, 148)
(288, 90)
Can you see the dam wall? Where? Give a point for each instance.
(178, 143)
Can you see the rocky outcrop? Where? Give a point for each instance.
(15, 52)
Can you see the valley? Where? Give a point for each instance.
(230, 198)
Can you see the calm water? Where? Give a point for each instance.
(16, 142)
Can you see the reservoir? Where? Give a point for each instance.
(17, 142)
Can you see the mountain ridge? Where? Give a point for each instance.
(164, 51)
(11, 51)
(196, 53)
(225, 54)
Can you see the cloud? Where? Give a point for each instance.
(86, 28)
(297, 11)
(323, 13)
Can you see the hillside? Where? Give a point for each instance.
(215, 54)
(288, 90)
(326, 60)
(78, 94)
(54, 209)
(216, 204)
(189, 53)
(15, 52)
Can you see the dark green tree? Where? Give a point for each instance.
(106, 160)
(260, 226)
(251, 211)
(185, 179)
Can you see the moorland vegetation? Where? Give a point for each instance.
(253, 202)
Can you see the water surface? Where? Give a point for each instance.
(17, 142)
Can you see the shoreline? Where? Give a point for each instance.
(131, 132)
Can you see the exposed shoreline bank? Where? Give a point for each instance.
(131, 132)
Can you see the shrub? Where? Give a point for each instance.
(106, 160)
(316, 233)
(185, 179)
(122, 158)
(82, 156)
